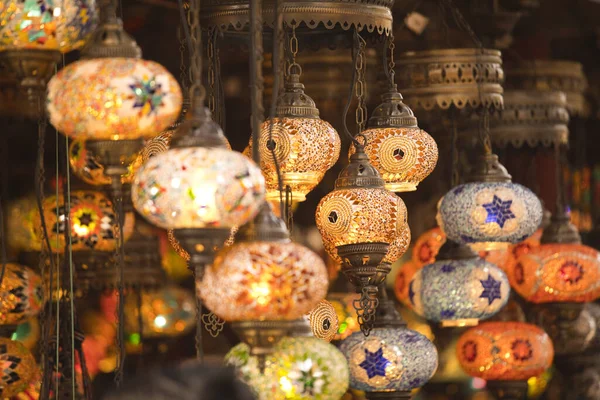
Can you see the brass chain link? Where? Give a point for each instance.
(196, 56)
(210, 54)
(361, 83)
(391, 62)
(183, 73)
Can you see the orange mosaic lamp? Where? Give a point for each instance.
(403, 153)
(506, 354)
(560, 270)
(427, 246)
(402, 282)
(304, 145)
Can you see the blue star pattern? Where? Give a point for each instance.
(491, 289)
(447, 314)
(374, 363)
(498, 211)
(148, 95)
(447, 268)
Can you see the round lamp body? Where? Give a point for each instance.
(264, 281)
(505, 351)
(323, 320)
(93, 222)
(20, 293)
(556, 273)
(458, 293)
(389, 359)
(491, 215)
(113, 99)
(401, 242)
(167, 312)
(19, 368)
(427, 246)
(359, 215)
(402, 282)
(198, 187)
(20, 223)
(403, 156)
(305, 149)
(343, 303)
(300, 368)
(62, 25)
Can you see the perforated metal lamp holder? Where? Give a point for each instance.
(508, 390)
(488, 169)
(362, 262)
(392, 112)
(33, 69)
(293, 102)
(265, 227)
(451, 250)
(560, 230)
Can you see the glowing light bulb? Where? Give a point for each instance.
(160, 321)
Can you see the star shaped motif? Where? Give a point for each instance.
(447, 268)
(147, 94)
(522, 349)
(498, 211)
(571, 272)
(374, 363)
(491, 289)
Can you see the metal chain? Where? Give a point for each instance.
(198, 337)
(391, 63)
(462, 23)
(210, 53)
(183, 73)
(484, 130)
(293, 45)
(256, 76)
(220, 102)
(455, 174)
(361, 83)
(196, 56)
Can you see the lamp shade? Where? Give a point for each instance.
(505, 351)
(301, 368)
(346, 314)
(167, 312)
(389, 359)
(404, 156)
(402, 282)
(113, 99)
(458, 292)
(556, 273)
(19, 368)
(427, 246)
(93, 222)
(324, 322)
(198, 187)
(21, 294)
(401, 242)
(489, 215)
(86, 167)
(305, 149)
(264, 281)
(57, 25)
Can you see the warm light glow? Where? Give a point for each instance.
(261, 292)
(286, 385)
(160, 321)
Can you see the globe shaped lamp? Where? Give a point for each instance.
(427, 246)
(402, 282)
(304, 145)
(324, 322)
(300, 368)
(559, 270)
(459, 289)
(490, 212)
(263, 282)
(92, 219)
(506, 354)
(34, 34)
(343, 303)
(392, 360)
(360, 219)
(20, 369)
(21, 294)
(199, 188)
(167, 312)
(403, 154)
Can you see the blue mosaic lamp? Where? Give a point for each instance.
(490, 212)
(459, 289)
(393, 360)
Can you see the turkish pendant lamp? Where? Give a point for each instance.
(199, 188)
(359, 219)
(401, 152)
(35, 34)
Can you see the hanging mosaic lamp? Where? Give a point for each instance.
(427, 246)
(263, 282)
(93, 223)
(343, 303)
(324, 322)
(305, 145)
(350, 219)
(112, 98)
(506, 355)
(392, 360)
(459, 289)
(300, 368)
(560, 270)
(403, 153)
(33, 34)
(19, 368)
(21, 294)
(402, 281)
(490, 212)
(167, 312)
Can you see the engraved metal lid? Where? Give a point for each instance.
(451, 250)
(392, 112)
(198, 129)
(265, 227)
(293, 102)
(561, 230)
(488, 169)
(110, 40)
(359, 173)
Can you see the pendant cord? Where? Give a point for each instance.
(561, 206)
(256, 76)
(358, 63)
